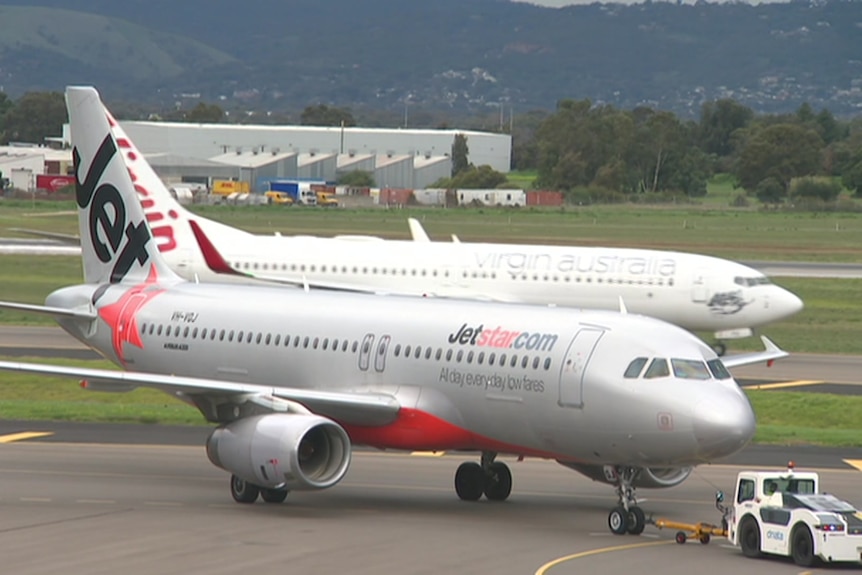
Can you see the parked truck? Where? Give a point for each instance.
(299, 192)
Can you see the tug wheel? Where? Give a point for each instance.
(680, 537)
(704, 538)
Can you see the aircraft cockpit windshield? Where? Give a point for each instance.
(751, 282)
(681, 368)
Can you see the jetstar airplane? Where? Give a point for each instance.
(697, 292)
(294, 378)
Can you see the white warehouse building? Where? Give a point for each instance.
(204, 141)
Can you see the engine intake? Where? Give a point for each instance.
(647, 477)
(282, 451)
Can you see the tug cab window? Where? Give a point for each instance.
(635, 368)
(658, 368)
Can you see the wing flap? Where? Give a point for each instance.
(346, 407)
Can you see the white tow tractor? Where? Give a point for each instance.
(782, 513)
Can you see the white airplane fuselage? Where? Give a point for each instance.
(519, 379)
(692, 291)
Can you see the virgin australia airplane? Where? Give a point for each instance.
(697, 292)
(295, 378)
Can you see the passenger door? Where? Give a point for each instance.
(574, 366)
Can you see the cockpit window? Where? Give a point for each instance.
(689, 369)
(718, 370)
(635, 368)
(750, 282)
(658, 368)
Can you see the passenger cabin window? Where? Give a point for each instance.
(658, 368)
(689, 369)
(635, 368)
(718, 370)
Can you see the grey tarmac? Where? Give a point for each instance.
(104, 509)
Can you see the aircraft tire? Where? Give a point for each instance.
(273, 495)
(242, 491)
(498, 484)
(636, 521)
(469, 481)
(618, 520)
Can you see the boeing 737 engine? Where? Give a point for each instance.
(647, 477)
(271, 454)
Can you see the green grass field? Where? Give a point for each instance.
(831, 321)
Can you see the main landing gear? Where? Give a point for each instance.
(626, 517)
(491, 478)
(244, 492)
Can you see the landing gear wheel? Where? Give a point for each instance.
(636, 521)
(498, 483)
(719, 348)
(273, 495)
(802, 549)
(704, 539)
(469, 481)
(749, 537)
(618, 520)
(680, 537)
(243, 491)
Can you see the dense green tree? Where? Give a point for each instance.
(780, 151)
(852, 179)
(205, 114)
(718, 120)
(5, 105)
(357, 179)
(829, 128)
(34, 117)
(770, 191)
(460, 153)
(323, 115)
(482, 178)
(820, 188)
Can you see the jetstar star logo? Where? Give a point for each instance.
(121, 315)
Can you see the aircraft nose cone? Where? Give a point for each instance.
(723, 425)
(789, 304)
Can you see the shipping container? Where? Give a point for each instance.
(544, 198)
(397, 197)
(53, 183)
(228, 187)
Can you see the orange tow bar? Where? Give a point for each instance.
(700, 531)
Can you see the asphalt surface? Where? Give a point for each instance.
(141, 509)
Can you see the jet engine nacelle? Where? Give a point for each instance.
(282, 451)
(647, 477)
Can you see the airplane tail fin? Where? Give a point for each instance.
(116, 243)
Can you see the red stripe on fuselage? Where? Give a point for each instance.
(416, 430)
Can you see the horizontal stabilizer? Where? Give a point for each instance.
(770, 353)
(80, 313)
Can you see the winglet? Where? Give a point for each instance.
(212, 257)
(417, 232)
(770, 353)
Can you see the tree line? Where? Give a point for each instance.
(601, 152)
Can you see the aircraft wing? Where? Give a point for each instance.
(80, 313)
(355, 408)
(769, 354)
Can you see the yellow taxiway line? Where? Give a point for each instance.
(782, 384)
(12, 437)
(857, 463)
(544, 568)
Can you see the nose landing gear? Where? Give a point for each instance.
(626, 517)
